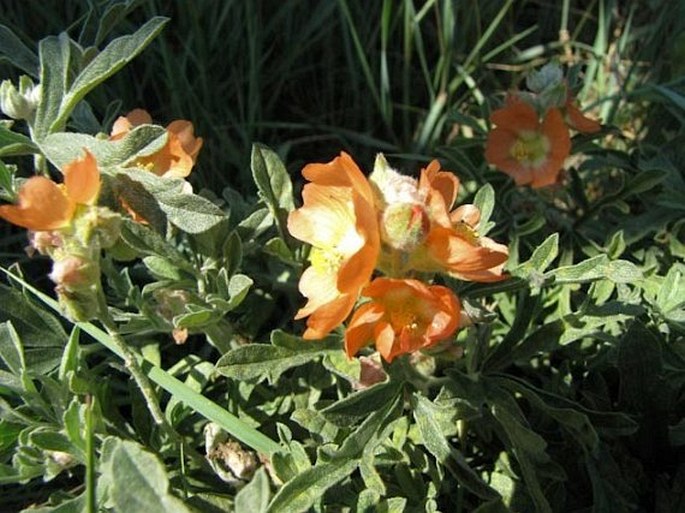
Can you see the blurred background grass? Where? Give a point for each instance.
(313, 77)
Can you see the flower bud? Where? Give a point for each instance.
(391, 186)
(22, 103)
(78, 305)
(547, 77)
(404, 225)
(44, 242)
(74, 272)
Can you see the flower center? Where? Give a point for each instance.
(326, 261)
(530, 148)
(466, 232)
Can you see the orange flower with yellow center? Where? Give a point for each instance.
(339, 221)
(452, 245)
(44, 205)
(177, 158)
(527, 149)
(402, 317)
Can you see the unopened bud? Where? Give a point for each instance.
(45, 242)
(22, 103)
(78, 305)
(404, 225)
(391, 186)
(547, 77)
(74, 272)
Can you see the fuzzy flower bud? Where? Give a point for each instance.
(22, 103)
(44, 242)
(74, 272)
(549, 87)
(404, 226)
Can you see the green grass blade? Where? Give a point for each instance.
(205, 407)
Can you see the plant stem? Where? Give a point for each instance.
(132, 365)
(90, 459)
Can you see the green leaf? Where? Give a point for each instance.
(75, 505)
(13, 144)
(147, 242)
(597, 268)
(55, 56)
(238, 287)
(525, 444)
(639, 366)
(359, 405)
(485, 201)
(15, 51)
(301, 492)
(264, 361)
(190, 212)
(35, 326)
(278, 248)
(255, 496)
(63, 147)
(196, 318)
(670, 297)
(541, 259)
(161, 268)
(568, 418)
(108, 62)
(426, 415)
(70, 360)
(273, 183)
(11, 348)
(138, 480)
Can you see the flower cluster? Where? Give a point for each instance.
(531, 140)
(66, 223)
(372, 239)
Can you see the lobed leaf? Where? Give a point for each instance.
(138, 480)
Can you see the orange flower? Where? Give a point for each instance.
(577, 120)
(44, 205)
(176, 158)
(452, 244)
(402, 316)
(530, 151)
(339, 221)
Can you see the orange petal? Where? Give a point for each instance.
(184, 131)
(82, 179)
(170, 161)
(342, 171)
(517, 115)
(444, 183)
(360, 331)
(329, 316)
(467, 213)
(124, 124)
(327, 213)
(461, 258)
(554, 128)
(578, 121)
(42, 206)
